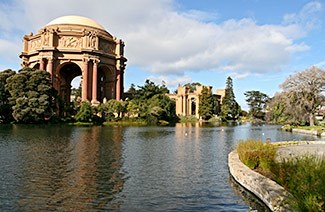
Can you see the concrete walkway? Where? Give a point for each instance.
(304, 148)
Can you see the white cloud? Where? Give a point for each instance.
(9, 53)
(320, 65)
(161, 40)
(306, 17)
(171, 82)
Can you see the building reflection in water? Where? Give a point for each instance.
(78, 171)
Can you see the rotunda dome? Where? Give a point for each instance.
(77, 20)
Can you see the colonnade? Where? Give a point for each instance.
(47, 64)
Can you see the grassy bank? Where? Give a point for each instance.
(319, 129)
(303, 177)
(125, 123)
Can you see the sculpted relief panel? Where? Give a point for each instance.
(34, 44)
(46, 38)
(70, 42)
(107, 47)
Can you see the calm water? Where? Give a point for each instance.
(64, 168)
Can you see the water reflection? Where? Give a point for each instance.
(76, 169)
(122, 168)
(251, 200)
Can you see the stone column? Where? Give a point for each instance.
(84, 91)
(118, 85)
(184, 105)
(25, 44)
(197, 103)
(42, 64)
(121, 84)
(94, 90)
(49, 68)
(190, 106)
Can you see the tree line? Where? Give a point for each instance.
(27, 97)
(300, 98)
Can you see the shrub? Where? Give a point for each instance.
(187, 119)
(85, 113)
(256, 154)
(287, 127)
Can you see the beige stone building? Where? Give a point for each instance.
(187, 102)
(72, 46)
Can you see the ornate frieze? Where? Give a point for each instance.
(106, 46)
(36, 43)
(91, 39)
(70, 42)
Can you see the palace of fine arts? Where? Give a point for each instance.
(162, 106)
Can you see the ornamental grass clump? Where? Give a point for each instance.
(304, 178)
(256, 154)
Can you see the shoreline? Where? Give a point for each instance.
(271, 193)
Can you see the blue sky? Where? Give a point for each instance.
(259, 43)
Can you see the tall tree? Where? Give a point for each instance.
(149, 90)
(230, 109)
(160, 107)
(31, 95)
(256, 100)
(149, 102)
(5, 107)
(304, 92)
(279, 110)
(206, 104)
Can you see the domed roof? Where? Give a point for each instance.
(78, 20)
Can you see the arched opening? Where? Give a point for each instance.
(106, 83)
(36, 66)
(76, 88)
(67, 73)
(193, 106)
(101, 85)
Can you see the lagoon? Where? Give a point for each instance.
(179, 168)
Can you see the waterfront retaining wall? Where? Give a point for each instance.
(271, 193)
(308, 132)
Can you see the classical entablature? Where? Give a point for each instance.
(72, 46)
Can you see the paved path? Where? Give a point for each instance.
(310, 148)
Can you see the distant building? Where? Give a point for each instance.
(187, 102)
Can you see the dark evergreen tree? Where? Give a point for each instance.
(31, 95)
(230, 109)
(256, 100)
(5, 107)
(207, 104)
(132, 89)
